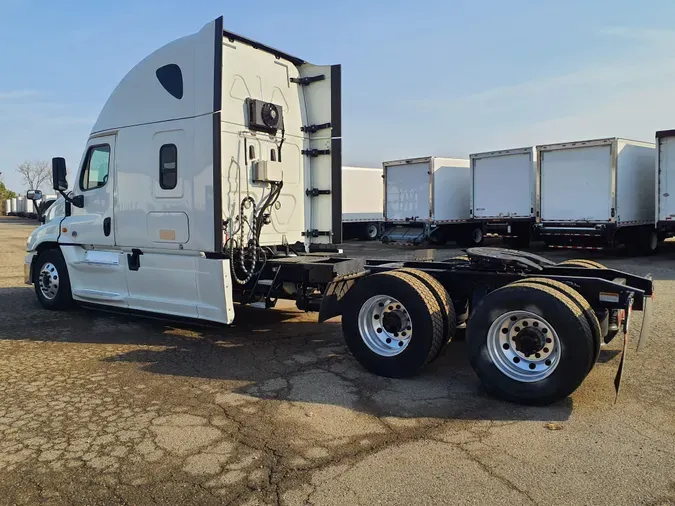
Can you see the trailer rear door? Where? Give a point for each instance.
(576, 184)
(666, 174)
(502, 186)
(408, 191)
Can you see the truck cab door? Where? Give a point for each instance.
(322, 120)
(92, 225)
(96, 268)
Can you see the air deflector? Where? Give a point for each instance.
(171, 78)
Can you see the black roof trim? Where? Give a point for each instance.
(257, 45)
(665, 133)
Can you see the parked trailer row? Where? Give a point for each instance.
(584, 194)
(27, 208)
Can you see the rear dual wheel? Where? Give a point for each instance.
(397, 322)
(531, 343)
(615, 316)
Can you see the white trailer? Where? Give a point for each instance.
(596, 194)
(665, 171)
(21, 206)
(427, 198)
(362, 202)
(8, 207)
(14, 206)
(503, 193)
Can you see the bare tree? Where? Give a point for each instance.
(34, 173)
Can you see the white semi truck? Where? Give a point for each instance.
(192, 195)
(503, 193)
(362, 202)
(597, 194)
(427, 199)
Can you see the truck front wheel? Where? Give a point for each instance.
(530, 344)
(51, 281)
(392, 324)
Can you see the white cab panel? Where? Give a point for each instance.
(323, 170)
(182, 285)
(214, 286)
(451, 186)
(97, 276)
(408, 190)
(250, 73)
(362, 194)
(576, 184)
(140, 97)
(139, 193)
(503, 184)
(635, 181)
(168, 227)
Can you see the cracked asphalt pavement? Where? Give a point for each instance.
(97, 408)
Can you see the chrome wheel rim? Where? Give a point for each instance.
(523, 346)
(48, 280)
(477, 235)
(385, 326)
(371, 231)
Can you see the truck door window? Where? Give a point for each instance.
(168, 166)
(96, 166)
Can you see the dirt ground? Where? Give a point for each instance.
(107, 409)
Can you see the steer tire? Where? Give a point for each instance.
(425, 315)
(581, 303)
(444, 302)
(575, 348)
(63, 298)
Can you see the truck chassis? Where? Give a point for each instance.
(534, 328)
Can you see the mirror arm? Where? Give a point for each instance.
(77, 201)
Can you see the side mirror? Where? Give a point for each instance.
(59, 174)
(34, 195)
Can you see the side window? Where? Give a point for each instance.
(96, 167)
(168, 166)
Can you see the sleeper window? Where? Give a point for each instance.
(168, 166)
(97, 165)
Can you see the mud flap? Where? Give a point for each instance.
(622, 363)
(646, 322)
(331, 303)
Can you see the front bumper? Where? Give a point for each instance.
(28, 267)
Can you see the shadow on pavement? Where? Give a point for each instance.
(283, 346)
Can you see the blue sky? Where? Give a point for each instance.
(425, 77)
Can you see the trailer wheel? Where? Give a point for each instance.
(371, 231)
(392, 324)
(581, 303)
(477, 236)
(650, 241)
(529, 344)
(51, 281)
(444, 302)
